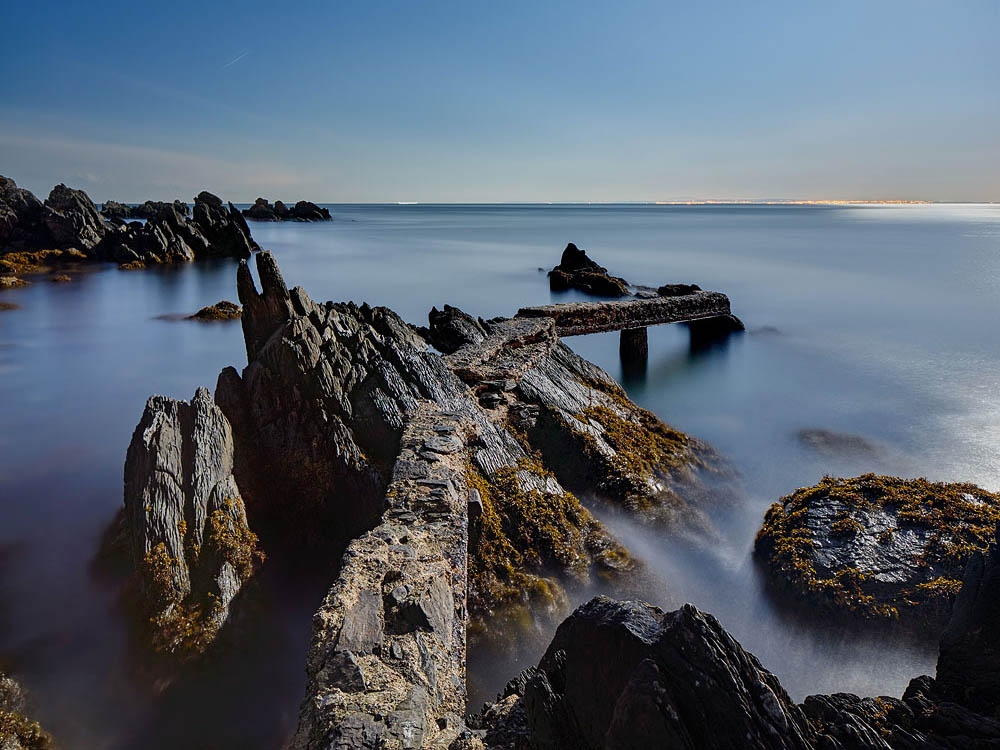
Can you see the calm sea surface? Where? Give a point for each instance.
(877, 322)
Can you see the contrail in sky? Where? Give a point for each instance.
(236, 59)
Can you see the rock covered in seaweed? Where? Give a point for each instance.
(877, 546)
(223, 310)
(578, 271)
(191, 547)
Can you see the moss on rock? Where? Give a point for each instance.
(879, 547)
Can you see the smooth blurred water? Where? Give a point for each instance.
(873, 321)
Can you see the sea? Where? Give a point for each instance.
(872, 344)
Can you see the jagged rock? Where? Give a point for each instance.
(224, 310)
(627, 675)
(877, 547)
(225, 228)
(192, 550)
(73, 220)
(261, 210)
(21, 214)
(577, 271)
(17, 731)
(116, 210)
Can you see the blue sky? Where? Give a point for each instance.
(514, 101)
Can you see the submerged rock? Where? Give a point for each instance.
(577, 271)
(192, 549)
(877, 547)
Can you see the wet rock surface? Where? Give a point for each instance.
(877, 547)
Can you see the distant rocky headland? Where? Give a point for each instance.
(67, 228)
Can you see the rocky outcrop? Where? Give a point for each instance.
(577, 271)
(147, 210)
(224, 310)
(17, 731)
(627, 675)
(262, 210)
(68, 227)
(877, 547)
(191, 547)
(20, 216)
(73, 220)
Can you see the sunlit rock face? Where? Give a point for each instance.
(877, 547)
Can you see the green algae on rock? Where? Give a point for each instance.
(877, 547)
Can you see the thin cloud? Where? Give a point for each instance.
(236, 59)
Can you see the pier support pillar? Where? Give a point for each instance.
(634, 346)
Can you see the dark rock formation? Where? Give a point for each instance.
(17, 731)
(73, 220)
(147, 210)
(224, 310)
(877, 547)
(627, 675)
(225, 228)
(577, 271)
(262, 210)
(36, 237)
(192, 550)
(20, 216)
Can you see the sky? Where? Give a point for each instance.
(492, 102)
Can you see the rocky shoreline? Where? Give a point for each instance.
(448, 494)
(67, 229)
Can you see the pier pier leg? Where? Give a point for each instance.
(634, 347)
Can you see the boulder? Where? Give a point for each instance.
(877, 547)
(73, 220)
(578, 271)
(309, 211)
(191, 547)
(261, 210)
